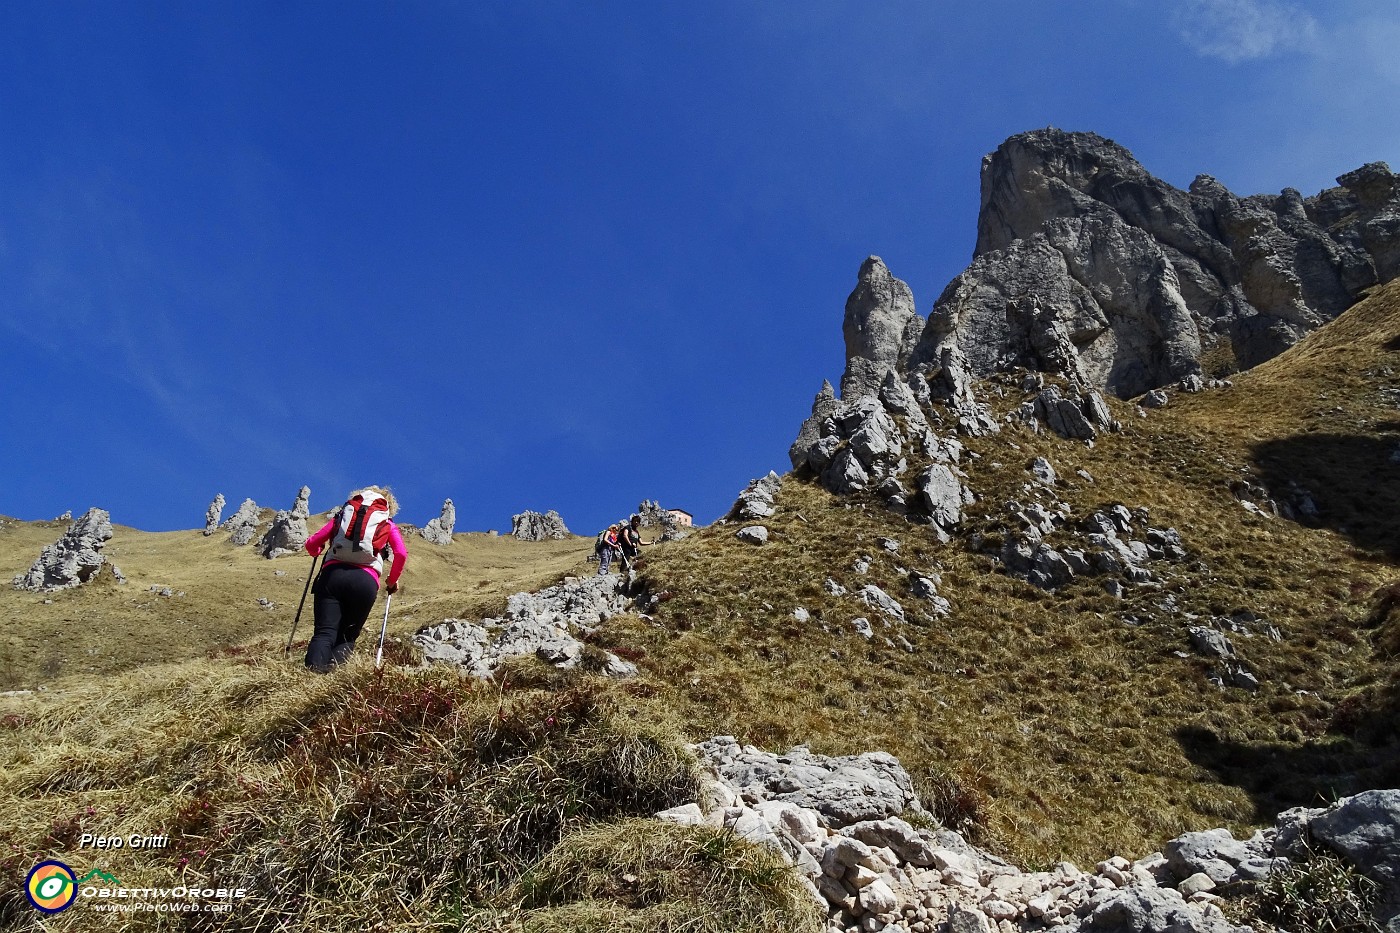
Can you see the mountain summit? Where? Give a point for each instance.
(1089, 266)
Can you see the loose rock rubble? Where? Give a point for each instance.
(1103, 543)
(532, 526)
(850, 827)
(439, 530)
(1294, 504)
(73, 559)
(542, 624)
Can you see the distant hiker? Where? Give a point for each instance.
(608, 544)
(630, 539)
(360, 535)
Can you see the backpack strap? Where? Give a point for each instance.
(357, 523)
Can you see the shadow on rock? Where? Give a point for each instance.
(1278, 776)
(1348, 483)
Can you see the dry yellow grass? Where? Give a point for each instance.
(105, 627)
(1073, 713)
(1048, 725)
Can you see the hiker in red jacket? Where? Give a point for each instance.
(360, 535)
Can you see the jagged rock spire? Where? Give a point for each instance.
(881, 327)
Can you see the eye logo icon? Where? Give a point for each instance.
(51, 887)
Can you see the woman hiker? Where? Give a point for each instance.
(360, 536)
(630, 540)
(608, 546)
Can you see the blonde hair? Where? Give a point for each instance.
(388, 495)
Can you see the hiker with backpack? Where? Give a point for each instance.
(630, 540)
(359, 536)
(608, 544)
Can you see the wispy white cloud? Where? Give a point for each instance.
(1375, 39)
(1244, 30)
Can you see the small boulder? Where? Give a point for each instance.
(753, 534)
(1043, 472)
(1210, 643)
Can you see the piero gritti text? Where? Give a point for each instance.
(133, 841)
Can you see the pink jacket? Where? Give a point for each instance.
(316, 542)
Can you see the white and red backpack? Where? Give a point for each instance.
(362, 531)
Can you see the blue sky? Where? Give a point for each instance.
(550, 255)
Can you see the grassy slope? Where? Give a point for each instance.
(106, 627)
(1085, 734)
(1065, 730)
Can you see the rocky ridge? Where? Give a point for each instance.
(844, 823)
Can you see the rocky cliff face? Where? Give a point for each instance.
(1089, 266)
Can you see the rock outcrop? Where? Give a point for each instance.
(242, 526)
(1088, 266)
(288, 533)
(654, 516)
(1364, 829)
(1045, 548)
(439, 530)
(213, 514)
(888, 412)
(756, 501)
(542, 624)
(532, 526)
(881, 328)
(73, 559)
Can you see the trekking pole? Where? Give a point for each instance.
(379, 656)
(306, 589)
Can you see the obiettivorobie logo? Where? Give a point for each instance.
(51, 887)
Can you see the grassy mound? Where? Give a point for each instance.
(414, 797)
(638, 875)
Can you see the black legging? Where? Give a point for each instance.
(345, 594)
